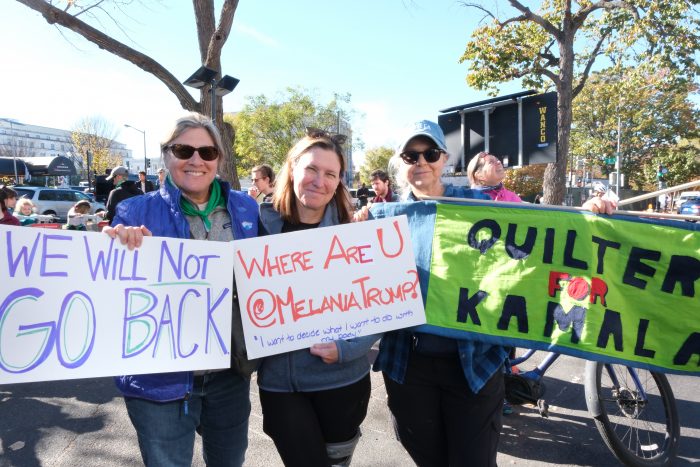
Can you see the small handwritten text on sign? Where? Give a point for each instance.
(325, 284)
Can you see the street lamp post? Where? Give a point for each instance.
(206, 76)
(145, 159)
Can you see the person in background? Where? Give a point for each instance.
(124, 189)
(445, 394)
(314, 400)
(486, 173)
(263, 179)
(599, 203)
(167, 409)
(363, 195)
(24, 211)
(77, 219)
(161, 176)
(144, 184)
(8, 199)
(382, 187)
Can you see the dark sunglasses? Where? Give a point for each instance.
(185, 151)
(430, 156)
(318, 133)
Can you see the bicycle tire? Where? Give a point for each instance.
(638, 433)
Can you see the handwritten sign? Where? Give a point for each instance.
(597, 287)
(325, 284)
(78, 304)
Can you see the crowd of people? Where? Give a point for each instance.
(445, 394)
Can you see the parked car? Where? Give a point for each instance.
(56, 201)
(356, 201)
(683, 197)
(690, 207)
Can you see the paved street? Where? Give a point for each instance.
(83, 422)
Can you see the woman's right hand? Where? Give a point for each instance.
(132, 237)
(361, 214)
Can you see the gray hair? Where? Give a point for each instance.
(188, 122)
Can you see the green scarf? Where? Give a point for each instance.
(216, 199)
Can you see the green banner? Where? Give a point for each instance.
(585, 285)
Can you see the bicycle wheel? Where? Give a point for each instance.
(638, 420)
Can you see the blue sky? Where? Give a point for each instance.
(397, 58)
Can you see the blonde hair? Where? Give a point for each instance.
(284, 198)
(472, 168)
(22, 202)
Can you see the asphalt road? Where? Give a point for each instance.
(84, 422)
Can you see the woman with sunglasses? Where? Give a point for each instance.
(8, 199)
(314, 400)
(486, 174)
(445, 394)
(167, 409)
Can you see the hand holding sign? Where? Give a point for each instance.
(132, 237)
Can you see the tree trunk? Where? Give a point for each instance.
(554, 184)
(211, 41)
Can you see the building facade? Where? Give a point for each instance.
(23, 140)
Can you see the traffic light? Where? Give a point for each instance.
(661, 172)
(148, 163)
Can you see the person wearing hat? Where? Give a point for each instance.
(124, 189)
(445, 394)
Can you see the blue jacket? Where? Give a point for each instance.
(160, 211)
(299, 371)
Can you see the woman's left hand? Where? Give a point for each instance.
(327, 352)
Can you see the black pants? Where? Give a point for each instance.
(439, 420)
(301, 423)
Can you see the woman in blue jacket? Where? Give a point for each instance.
(166, 409)
(314, 400)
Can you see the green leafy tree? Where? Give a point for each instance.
(86, 18)
(375, 158)
(525, 181)
(557, 45)
(643, 113)
(266, 128)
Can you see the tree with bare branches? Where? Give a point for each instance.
(558, 44)
(211, 36)
(95, 135)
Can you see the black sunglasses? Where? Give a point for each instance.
(430, 156)
(318, 133)
(185, 151)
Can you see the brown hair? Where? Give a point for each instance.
(6, 193)
(266, 171)
(284, 198)
(82, 207)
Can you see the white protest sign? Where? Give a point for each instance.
(80, 305)
(325, 284)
